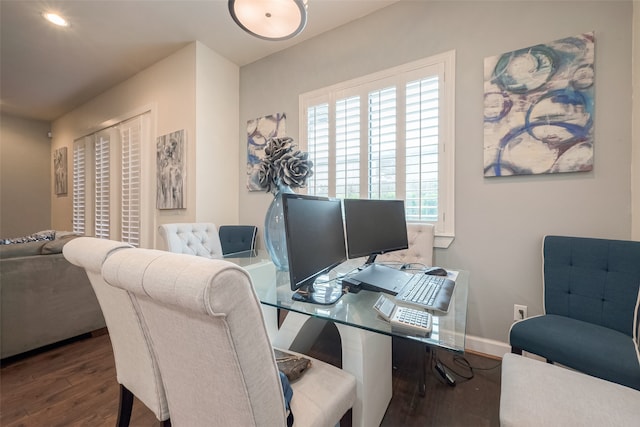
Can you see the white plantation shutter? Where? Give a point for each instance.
(347, 148)
(318, 148)
(389, 135)
(102, 187)
(79, 186)
(421, 200)
(131, 133)
(382, 144)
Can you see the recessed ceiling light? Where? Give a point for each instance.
(56, 19)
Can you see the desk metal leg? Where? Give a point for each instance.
(424, 359)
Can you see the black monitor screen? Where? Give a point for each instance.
(374, 227)
(315, 237)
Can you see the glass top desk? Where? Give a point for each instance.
(365, 337)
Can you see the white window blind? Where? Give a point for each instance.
(101, 187)
(79, 186)
(347, 147)
(318, 147)
(131, 182)
(389, 135)
(422, 118)
(382, 144)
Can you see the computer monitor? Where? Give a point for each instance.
(374, 227)
(315, 245)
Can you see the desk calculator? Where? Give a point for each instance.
(406, 320)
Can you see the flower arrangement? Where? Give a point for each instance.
(283, 165)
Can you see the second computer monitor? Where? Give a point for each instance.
(374, 227)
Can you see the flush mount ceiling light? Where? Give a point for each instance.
(270, 19)
(56, 19)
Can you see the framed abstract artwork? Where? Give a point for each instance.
(259, 131)
(60, 170)
(170, 164)
(539, 108)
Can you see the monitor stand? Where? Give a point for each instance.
(323, 293)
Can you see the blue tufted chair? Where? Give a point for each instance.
(591, 291)
(200, 239)
(237, 238)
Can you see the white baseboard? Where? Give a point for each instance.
(487, 346)
(492, 347)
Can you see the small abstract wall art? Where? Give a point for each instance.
(60, 170)
(538, 109)
(259, 131)
(170, 162)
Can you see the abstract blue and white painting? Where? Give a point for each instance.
(259, 131)
(538, 108)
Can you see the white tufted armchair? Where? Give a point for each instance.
(420, 236)
(200, 239)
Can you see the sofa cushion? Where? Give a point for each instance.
(580, 345)
(534, 393)
(21, 249)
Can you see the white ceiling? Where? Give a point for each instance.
(47, 71)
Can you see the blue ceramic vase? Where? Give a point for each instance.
(274, 233)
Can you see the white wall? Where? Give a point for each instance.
(217, 110)
(26, 186)
(501, 221)
(173, 89)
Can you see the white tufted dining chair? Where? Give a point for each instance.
(200, 239)
(212, 347)
(137, 369)
(420, 251)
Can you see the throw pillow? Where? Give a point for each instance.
(55, 246)
(35, 237)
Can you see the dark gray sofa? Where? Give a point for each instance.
(43, 298)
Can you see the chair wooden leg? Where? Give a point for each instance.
(165, 423)
(125, 407)
(516, 350)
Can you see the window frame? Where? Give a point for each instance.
(442, 65)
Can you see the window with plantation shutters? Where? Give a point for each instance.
(107, 181)
(389, 135)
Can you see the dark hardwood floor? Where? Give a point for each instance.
(74, 385)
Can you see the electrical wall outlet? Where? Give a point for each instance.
(519, 312)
